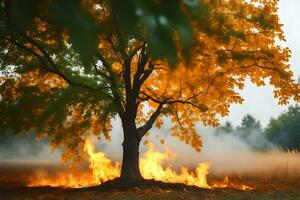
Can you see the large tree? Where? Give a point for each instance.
(70, 68)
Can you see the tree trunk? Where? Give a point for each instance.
(130, 164)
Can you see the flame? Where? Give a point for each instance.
(72, 178)
(102, 169)
(227, 184)
(151, 165)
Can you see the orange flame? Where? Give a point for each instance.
(227, 184)
(152, 168)
(102, 169)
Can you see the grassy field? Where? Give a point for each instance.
(13, 187)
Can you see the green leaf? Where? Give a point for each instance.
(22, 13)
(82, 28)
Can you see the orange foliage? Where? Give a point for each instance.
(235, 42)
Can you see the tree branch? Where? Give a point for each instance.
(45, 66)
(141, 74)
(127, 79)
(148, 125)
(114, 49)
(44, 52)
(99, 72)
(114, 85)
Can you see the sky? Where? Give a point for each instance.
(259, 101)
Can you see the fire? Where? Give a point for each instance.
(151, 165)
(71, 178)
(102, 169)
(227, 184)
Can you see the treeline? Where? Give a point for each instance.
(281, 132)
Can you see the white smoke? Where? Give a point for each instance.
(227, 153)
(230, 155)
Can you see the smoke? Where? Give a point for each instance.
(256, 140)
(25, 147)
(229, 154)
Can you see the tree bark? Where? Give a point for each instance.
(130, 163)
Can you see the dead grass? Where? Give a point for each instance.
(224, 194)
(13, 178)
(265, 190)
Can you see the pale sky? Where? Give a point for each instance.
(259, 102)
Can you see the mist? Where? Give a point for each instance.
(227, 154)
(26, 147)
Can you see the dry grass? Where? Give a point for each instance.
(13, 178)
(289, 191)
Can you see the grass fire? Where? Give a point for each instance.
(102, 169)
(269, 174)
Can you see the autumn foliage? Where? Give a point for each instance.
(47, 86)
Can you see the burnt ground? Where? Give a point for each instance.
(13, 187)
(290, 192)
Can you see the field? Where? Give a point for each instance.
(13, 187)
(287, 190)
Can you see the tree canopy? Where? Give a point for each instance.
(284, 131)
(70, 67)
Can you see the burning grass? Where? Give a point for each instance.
(101, 169)
(13, 177)
(54, 181)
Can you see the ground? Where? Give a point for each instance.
(265, 188)
(290, 192)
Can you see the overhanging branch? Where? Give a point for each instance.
(45, 66)
(148, 125)
(114, 84)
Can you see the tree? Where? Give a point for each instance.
(53, 86)
(251, 132)
(225, 129)
(284, 131)
(249, 124)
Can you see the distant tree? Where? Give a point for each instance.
(251, 132)
(225, 129)
(248, 126)
(284, 131)
(68, 88)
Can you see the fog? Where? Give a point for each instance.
(227, 153)
(27, 148)
(230, 155)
